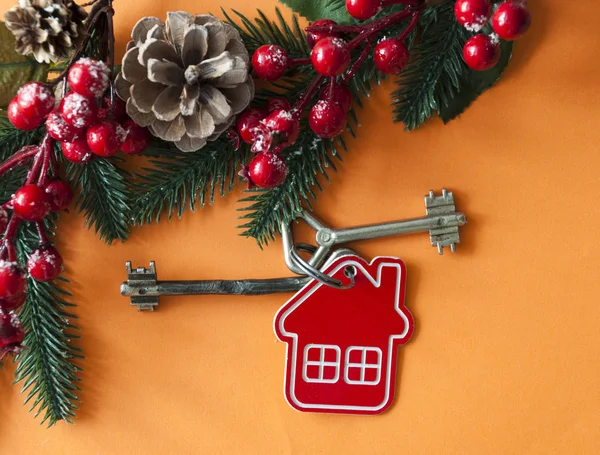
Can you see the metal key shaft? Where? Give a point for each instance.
(144, 289)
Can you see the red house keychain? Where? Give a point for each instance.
(342, 344)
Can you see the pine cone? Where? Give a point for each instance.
(48, 29)
(185, 80)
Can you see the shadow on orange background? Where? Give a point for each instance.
(505, 357)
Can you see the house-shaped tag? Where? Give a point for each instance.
(342, 345)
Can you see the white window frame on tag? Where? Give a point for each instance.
(321, 363)
(363, 365)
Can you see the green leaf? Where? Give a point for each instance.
(473, 84)
(15, 69)
(320, 9)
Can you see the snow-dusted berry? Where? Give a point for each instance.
(11, 334)
(60, 130)
(35, 99)
(247, 124)
(278, 130)
(330, 56)
(12, 303)
(105, 137)
(327, 119)
(78, 110)
(341, 95)
(44, 263)
(137, 138)
(473, 14)
(19, 119)
(13, 280)
(267, 170)
(270, 62)
(481, 52)
(363, 9)
(89, 77)
(59, 194)
(30, 203)
(511, 20)
(77, 151)
(390, 56)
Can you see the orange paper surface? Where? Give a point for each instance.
(504, 358)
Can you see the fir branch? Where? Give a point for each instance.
(307, 159)
(104, 196)
(46, 365)
(13, 139)
(178, 180)
(432, 77)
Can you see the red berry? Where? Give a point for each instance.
(270, 62)
(59, 129)
(473, 14)
(59, 195)
(267, 170)
(390, 56)
(511, 20)
(105, 137)
(277, 103)
(18, 118)
(44, 264)
(13, 280)
(30, 203)
(341, 95)
(35, 100)
(330, 56)
(248, 123)
(137, 138)
(3, 219)
(11, 334)
(77, 151)
(283, 128)
(119, 112)
(313, 38)
(481, 52)
(89, 77)
(363, 9)
(12, 303)
(327, 119)
(78, 110)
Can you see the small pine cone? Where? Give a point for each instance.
(185, 79)
(47, 29)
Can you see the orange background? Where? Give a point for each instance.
(505, 358)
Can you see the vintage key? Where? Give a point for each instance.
(441, 220)
(144, 289)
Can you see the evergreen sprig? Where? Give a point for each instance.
(435, 69)
(104, 196)
(176, 181)
(46, 366)
(307, 159)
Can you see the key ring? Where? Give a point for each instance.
(315, 273)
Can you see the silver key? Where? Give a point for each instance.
(441, 220)
(144, 289)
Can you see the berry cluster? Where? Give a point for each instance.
(271, 129)
(510, 20)
(86, 123)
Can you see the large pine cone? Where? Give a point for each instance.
(48, 29)
(185, 80)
